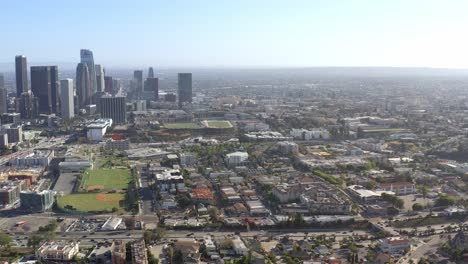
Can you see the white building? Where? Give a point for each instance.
(112, 223)
(399, 188)
(316, 133)
(55, 251)
(170, 181)
(98, 129)
(66, 98)
(395, 245)
(239, 246)
(36, 158)
(237, 158)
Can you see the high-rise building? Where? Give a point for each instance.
(83, 85)
(21, 67)
(2, 81)
(3, 96)
(150, 72)
(152, 85)
(44, 85)
(138, 82)
(109, 85)
(100, 73)
(184, 88)
(113, 107)
(117, 84)
(66, 94)
(27, 105)
(88, 59)
(37, 201)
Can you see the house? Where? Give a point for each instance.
(383, 258)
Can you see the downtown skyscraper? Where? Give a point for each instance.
(113, 107)
(100, 73)
(88, 59)
(150, 72)
(21, 68)
(184, 88)
(44, 86)
(66, 95)
(83, 84)
(138, 83)
(3, 95)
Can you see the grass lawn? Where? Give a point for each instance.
(88, 202)
(182, 126)
(109, 179)
(217, 124)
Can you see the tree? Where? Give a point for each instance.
(34, 241)
(5, 240)
(178, 257)
(418, 207)
(444, 200)
(213, 212)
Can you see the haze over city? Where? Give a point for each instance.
(239, 33)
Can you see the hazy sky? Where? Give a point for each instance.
(238, 32)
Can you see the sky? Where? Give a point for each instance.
(239, 33)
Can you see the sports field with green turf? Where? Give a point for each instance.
(106, 179)
(182, 126)
(92, 202)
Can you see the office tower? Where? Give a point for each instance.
(113, 107)
(83, 85)
(3, 96)
(109, 85)
(27, 105)
(21, 67)
(150, 72)
(152, 85)
(116, 86)
(87, 58)
(66, 95)
(184, 88)
(44, 86)
(100, 73)
(138, 82)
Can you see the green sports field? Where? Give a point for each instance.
(92, 202)
(182, 126)
(106, 179)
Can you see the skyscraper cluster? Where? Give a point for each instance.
(93, 89)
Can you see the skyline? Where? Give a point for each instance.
(240, 34)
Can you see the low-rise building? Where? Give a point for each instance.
(237, 158)
(97, 129)
(170, 181)
(287, 147)
(395, 245)
(33, 201)
(399, 188)
(119, 145)
(239, 246)
(54, 251)
(304, 134)
(138, 250)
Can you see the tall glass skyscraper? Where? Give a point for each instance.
(44, 85)
(184, 88)
(150, 72)
(21, 67)
(87, 58)
(83, 84)
(100, 73)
